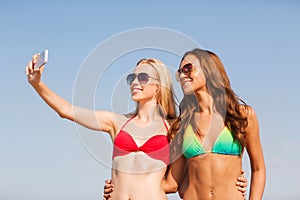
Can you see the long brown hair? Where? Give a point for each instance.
(226, 102)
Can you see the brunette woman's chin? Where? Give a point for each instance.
(187, 88)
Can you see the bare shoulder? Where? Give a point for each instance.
(252, 122)
(120, 119)
(110, 121)
(248, 112)
(115, 118)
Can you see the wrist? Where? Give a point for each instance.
(36, 84)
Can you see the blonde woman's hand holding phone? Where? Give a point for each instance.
(35, 68)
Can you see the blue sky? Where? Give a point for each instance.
(43, 157)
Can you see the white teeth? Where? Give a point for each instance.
(136, 90)
(186, 82)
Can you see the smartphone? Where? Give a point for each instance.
(42, 60)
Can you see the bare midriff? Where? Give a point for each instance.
(137, 177)
(213, 177)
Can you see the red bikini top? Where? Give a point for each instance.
(156, 147)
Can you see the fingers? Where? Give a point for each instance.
(35, 57)
(108, 189)
(242, 185)
(106, 196)
(107, 193)
(108, 181)
(27, 70)
(243, 190)
(242, 179)
(243, 193)
(33, 62)
(40, 70)
(242, 182)
(30, 66)
(108, 185)
(33, 74)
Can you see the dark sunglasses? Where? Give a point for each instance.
(186, 69)
(143, 78)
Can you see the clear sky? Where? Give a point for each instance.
(45, 157)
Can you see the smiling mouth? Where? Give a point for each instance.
(135, 91)
(186, 82)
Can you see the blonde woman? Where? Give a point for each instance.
(141, 147)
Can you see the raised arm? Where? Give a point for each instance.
(255, 152)
(96, 120)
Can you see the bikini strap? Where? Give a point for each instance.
(127, 121)
(134, 117)
(165, 124)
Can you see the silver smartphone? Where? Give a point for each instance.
(42, 60)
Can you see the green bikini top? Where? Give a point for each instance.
(225, 144)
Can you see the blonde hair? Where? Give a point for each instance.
(165, 97)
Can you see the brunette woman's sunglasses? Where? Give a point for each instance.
(143, 78)
(186, 69)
